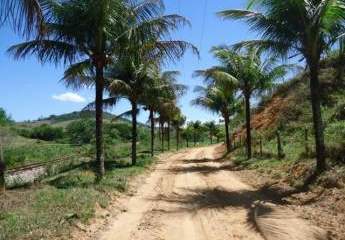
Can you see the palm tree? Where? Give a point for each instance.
(164, 91)
(187, 133)
(178, 121)
(211, 127)
(289, 28)
(213, 99)
(98, 32)
(251, 75)
(25, 16)
(82, 31)
(218, 96)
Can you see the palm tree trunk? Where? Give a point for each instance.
(99, 121)
(227, 136)
(134, 132)
(152, 132)
(168, 135)
(317, 117)
(248, 127)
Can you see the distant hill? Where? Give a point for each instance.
(63, 119)
(76, 115)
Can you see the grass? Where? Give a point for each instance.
(39, 152)
(51, 208)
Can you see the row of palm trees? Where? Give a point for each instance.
(116, 46)
(291, 28)
(239, 76)
(286, 29)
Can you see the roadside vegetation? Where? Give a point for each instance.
(289, 130)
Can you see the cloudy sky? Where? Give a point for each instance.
(30, 90)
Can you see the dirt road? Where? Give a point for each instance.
(194, 196)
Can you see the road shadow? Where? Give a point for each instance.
(194, 200)
(202, 169)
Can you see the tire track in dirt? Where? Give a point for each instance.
(193, 196)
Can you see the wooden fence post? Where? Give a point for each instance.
(307, 149)
(261, 152)
(279, 146)
(2, 170)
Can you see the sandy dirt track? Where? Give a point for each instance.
(192, 195)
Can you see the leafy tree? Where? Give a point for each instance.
(4, 117)
(290, 28)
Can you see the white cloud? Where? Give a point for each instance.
(69, 97)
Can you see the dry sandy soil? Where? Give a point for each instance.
(193, 195)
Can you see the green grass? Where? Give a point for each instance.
(50, 209)
(39, 152)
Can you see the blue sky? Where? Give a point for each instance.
(30, 90)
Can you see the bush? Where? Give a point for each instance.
(43, 132)
(81, 131)
(124, 130)
(4, 118)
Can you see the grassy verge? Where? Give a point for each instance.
(50, 209)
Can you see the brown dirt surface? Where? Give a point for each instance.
(321, 206)
(194, 195)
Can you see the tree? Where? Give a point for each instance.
(290, 28)
(92, 34)
(218, 96)
(178, 121)
(197, 127)
(4, 117)
(162, 92)
(187, 133)
(25, 16)
(211, 128)
(250, 73)
(82, 33)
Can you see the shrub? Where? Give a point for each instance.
(43, 132)
(81, 131)
(4, 118)
(124, 130)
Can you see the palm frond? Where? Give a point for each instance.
(46, 51)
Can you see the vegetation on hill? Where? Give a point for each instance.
(287, 110)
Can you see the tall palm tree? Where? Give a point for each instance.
(251, 74)
(289, 28)
(164, 90)
(178, 121)
(82, 31)
(218, 100)
(218, 96)
(211, 128)
(25, 16)
(100, 32)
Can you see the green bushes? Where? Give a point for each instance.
(4, 118)
(81, 131)
(43, 132)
